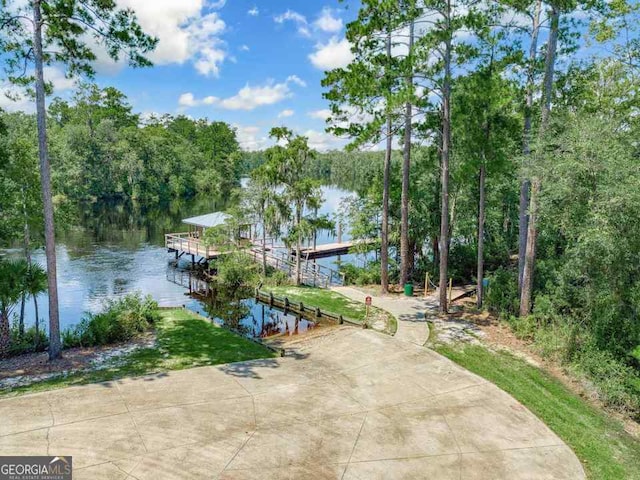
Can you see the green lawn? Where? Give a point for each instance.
(184, 340)
(606, 451)
(331, 302)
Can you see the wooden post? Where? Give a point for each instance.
(450, 288)
(318, 314)
(301, 307)
(271, 299)
(286, 304)
(340, 320)
(426, 283)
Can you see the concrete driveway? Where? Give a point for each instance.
(351, 404)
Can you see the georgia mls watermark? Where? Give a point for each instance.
(36, 468)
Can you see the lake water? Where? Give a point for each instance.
(116, 249)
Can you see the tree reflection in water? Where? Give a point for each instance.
(241, 312)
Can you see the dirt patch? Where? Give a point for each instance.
(73, 359)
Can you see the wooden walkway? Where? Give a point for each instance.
(331, 249)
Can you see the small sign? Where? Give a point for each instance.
(367, 301)
(36, 468)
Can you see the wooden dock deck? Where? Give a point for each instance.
(331, 249)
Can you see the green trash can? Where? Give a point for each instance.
(408, 289)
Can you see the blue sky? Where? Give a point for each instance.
(254, 64)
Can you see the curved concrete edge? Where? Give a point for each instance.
(409, 313)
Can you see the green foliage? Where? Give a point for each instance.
(119, 321)
(502, 295)
(100, 151)
(28, 342)
(237, 269)
(367, 275)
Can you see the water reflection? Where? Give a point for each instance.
(111, 249)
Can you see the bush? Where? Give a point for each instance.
(276, 278)
(237, 269)
(502, 294)
(361, 275)
(618, 384)
(26, 343)
(119, 321)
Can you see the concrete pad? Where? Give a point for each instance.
(390, 433)
(188, 462)
(208, 422)
(315, 472)
(547, 463)
(327, 441)
(96, 441)
(446, 467)
(181, 387)
(26, 443)
(353, 402)
(86, 402)
(34, 412)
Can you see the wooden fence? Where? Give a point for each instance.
(299, 308)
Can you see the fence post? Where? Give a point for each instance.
(286, 304)
(271, 299)
(340, 320)
(318, 314)
(426, 283)
(301, 307)
(450, 289)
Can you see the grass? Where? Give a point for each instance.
(332, 302)
(184, 340)
(606, 451)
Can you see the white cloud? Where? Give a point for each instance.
(250, 137)
(323, 141)
(185, 32)
(244, 48)
(334, 54)
(187, 100)
(327, 22)
(286, 113)
(322, 114)
(297, 18)
(15, 99)
(297, 80)
(254, 12)
(250, 97)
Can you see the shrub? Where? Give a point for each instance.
(119, 320)
(618, 384)
(502, 294)
(367, 275)
(26, 343)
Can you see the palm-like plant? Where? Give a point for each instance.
(12, 284)
(35, 283)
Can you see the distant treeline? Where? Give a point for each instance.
(101, 150)
(349, 170)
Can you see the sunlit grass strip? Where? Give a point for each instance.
(606, 451)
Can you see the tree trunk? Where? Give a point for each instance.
(384, 234)
(47, 197)
(446, 140)
(532, 232)
(523, 217)
(298, 242)
(35, 306)
(481, 218)
(264, 249)
(5, 335)
(405, 265)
